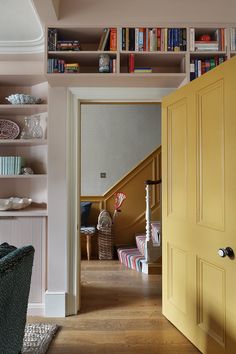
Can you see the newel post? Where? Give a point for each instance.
(148, 243)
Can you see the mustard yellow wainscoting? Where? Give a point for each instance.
(131, 220)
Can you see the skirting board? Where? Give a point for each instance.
(36, 309)
(55, 304)
(151, 268)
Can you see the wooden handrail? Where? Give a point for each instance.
(149, 182)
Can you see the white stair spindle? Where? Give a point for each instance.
(148, 222)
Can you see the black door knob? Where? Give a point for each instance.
(228, 251)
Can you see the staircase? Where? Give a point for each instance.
(144, 257)
(134, 257)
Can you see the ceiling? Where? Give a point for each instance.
(20, 28)
(22, 21)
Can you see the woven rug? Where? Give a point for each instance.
(37, 337)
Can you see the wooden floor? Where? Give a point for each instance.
(121, 313)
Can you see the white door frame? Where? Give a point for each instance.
(76, 96)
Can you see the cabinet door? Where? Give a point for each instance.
(199, 207)
(21, 231)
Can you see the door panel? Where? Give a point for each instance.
(177, 294)
(199, 209)
(211, 299)
(210, 152)
(177, 114)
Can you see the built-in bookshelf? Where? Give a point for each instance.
(156, 56)
(33, 151)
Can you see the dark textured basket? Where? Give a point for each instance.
(106, 244)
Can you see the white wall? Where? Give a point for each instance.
(114, 139)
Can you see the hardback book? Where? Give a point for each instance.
(102, 39)
(131, 39)
(191, 39)
(113, 39)
(192, 70)
(52, 39)
(106, 42)
(142, 70)
(131, 63)
(141, 36)
(127, 38)
(123, 38)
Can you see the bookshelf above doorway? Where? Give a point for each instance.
(137, 56)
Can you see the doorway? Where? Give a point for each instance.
(117, 138)
(76, 97)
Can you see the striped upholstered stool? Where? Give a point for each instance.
(89, 231)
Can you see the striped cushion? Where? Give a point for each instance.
(87, 230)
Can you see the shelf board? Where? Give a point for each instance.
(23, 142)
(156, 52)
(208, 53)
(80, 52)
(119, 79)
(32, 210)
(22, 109)
(21, 80)
(34, 176)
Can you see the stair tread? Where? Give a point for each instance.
(131, 258)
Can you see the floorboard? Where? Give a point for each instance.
(121, 314)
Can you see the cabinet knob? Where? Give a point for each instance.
(228, 251)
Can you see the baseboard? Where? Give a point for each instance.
(36, 309)
(55, 304)
(151, 268)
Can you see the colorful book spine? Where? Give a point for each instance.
(131, 39)
(136, 39)
(192, 39)
(141, 40)
(123, 38)
(113, 39)
(52, 39)
(131, 63)
(127, 39)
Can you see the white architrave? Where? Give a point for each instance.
(76, 96)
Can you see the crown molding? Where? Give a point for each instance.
(23, 47)
(26, 46)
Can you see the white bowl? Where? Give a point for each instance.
(5, 204)
(14, 203)
(20, 98)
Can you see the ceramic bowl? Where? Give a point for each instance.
(14, 203)
(19, 98)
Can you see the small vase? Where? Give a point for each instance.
(104, 63)
(26, 131)
(36, 129)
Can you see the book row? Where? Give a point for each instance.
(135, 70)
(199, 67)
(60, 66)
(108, 41)
(11, 165)
(54, 44)
(214, 41)
(153, 39)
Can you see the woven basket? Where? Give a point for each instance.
(106, 244)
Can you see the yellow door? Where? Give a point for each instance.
(199, 209)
